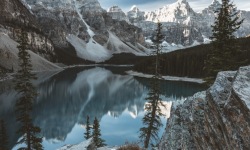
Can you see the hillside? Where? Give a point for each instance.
(188, 62)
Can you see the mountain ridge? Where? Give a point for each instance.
(58, 22)
(182, 22)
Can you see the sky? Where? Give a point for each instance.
(151, 5)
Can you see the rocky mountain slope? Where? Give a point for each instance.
(116, 13)
(9, 56)
(70, 31)
(218, 118)
(84, 25)
(14, 16)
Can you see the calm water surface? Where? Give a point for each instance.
(67, 97)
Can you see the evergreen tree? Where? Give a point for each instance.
(151, 119)
(225, 48)
(3, 136)
(97, 134)
(157, 52)
(87, 134)
(27, 93)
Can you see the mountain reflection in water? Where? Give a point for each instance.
(66, 98)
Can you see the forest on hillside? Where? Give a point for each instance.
(188, 62)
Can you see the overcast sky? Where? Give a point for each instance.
(150, 5)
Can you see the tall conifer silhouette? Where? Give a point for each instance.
(27, 94)
(99, 142)
(223, 56)
(151, 119)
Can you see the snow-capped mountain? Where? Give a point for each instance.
(178, 12)
(73, 30)
(135, 15)
(208, 17)
(77, 30)
(181, 24)
(87, 27)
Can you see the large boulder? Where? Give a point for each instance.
(218, 118)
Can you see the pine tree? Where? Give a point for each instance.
(97, 134)
(27, 94)
(3, 136)
(157, 41)
(225, 48)
(151, 119)
(88, 128)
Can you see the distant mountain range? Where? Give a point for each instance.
(81, 31)
(181, 24)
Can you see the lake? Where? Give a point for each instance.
(108, 93)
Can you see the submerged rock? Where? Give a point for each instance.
(218, 118)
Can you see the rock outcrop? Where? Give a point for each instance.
(15, 15)
(218, 118)
(116, 13)
(135, 15)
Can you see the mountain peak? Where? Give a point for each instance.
(134, 8)
(176, 12)
(116, 13)
(214, 5)
(182, 1)
(115, 8)
(215, 2)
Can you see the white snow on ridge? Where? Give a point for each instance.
(206, 40)
(170, 13)
(170, 78)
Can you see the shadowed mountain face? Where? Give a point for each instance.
(67, 97)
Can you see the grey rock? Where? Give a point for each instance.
(216, 119)
(15, 16)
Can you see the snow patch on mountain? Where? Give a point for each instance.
(118, 46)
(91, 51)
